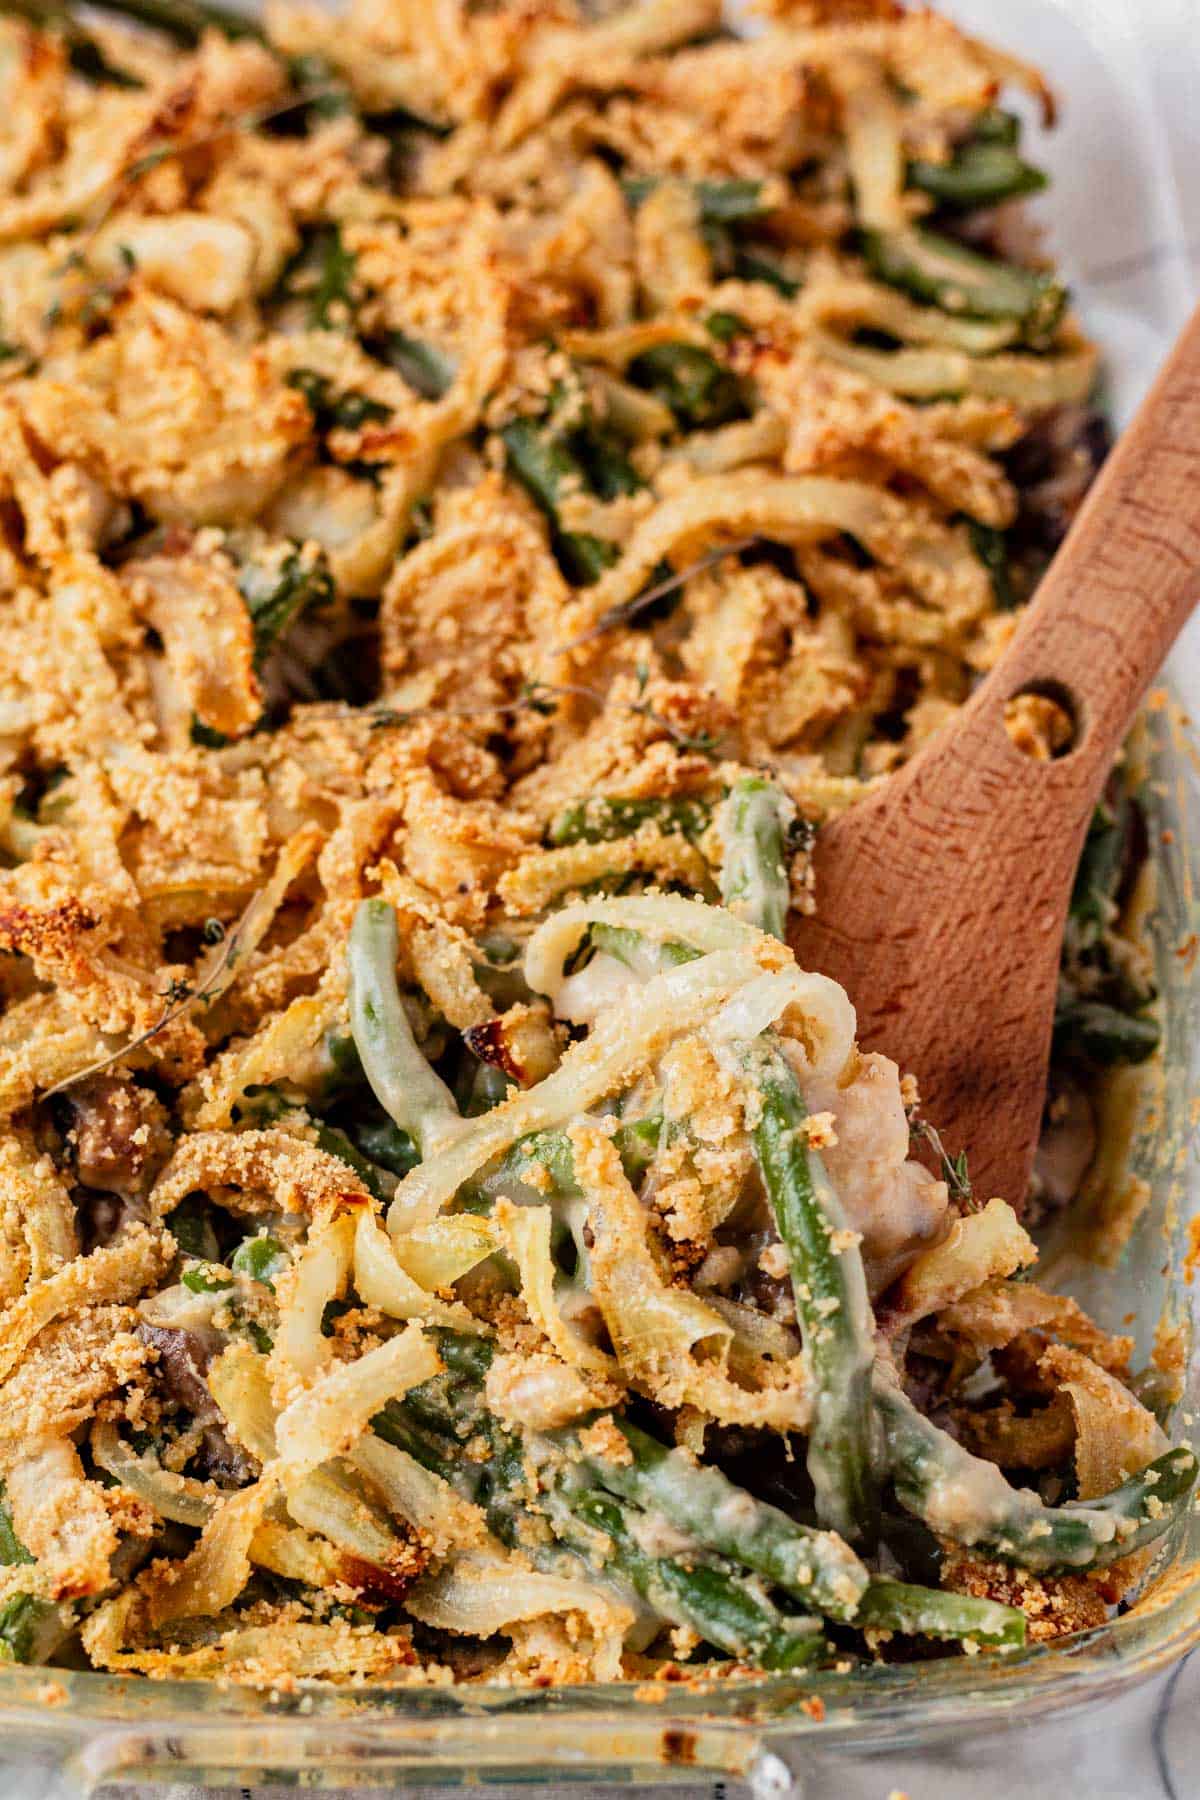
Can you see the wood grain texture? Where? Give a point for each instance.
(942, 898)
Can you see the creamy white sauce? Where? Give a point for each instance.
(604, 982)
(896, 1205)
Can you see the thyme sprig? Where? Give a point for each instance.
(142, 165)
(616, 616)
(542, 697)
(179, 996)
(953, 1169)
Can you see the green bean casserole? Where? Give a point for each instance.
(481, 483)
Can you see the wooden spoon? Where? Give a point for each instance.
(942, 898)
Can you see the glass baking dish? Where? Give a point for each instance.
(782, 1735)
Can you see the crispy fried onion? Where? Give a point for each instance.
(117, 1271)
(541, 877)
(482, 1593)
(1000, 1312)
(936, 560)
(254, 1174)
(37, 1219)
(629, 1037)
(980, 1247)
(321, 1424)
(381, 1280)
(630, 1034)
(1115, 1435)
(61, 1517)
(527, 1234)
(287, 1045)
(668, 1342)
(256, 1655)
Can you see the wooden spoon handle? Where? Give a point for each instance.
(942, 897)
(1116, 596)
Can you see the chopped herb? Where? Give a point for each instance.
(277, 594)
(349, 411)
(206, 1278)
(725, 326)
(12, 1550)
(538, 697)
(321, 274)
(953, 1169)
(700, 391)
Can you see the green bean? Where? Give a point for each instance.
(959, 280)
(718, 202)
(31, 1630)
(815, 1566)
(400, 1078)
(601, 819)
(748, 265)
(384, 1144)
(276, 596)
(1100, 864)
(429, 372)
(321, 274)
(962, 1497)
(831, 1297)
(1104, 1034)
(601, 451)
(347, 411)
(638, 952)
(700, 391)
(754, 873)
(185, 21)
(929, 1612)
(727, 1610)
(978, 174)
(545, 466)
(727, 1523)
(995, 126)
(260, 1258)
(547, 1157)
(334, 1142)
(541, 460)
(722, 1608)
(991, 547)
(396, 1425)
(12, 1550)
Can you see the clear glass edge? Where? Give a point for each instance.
(89, 1728)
